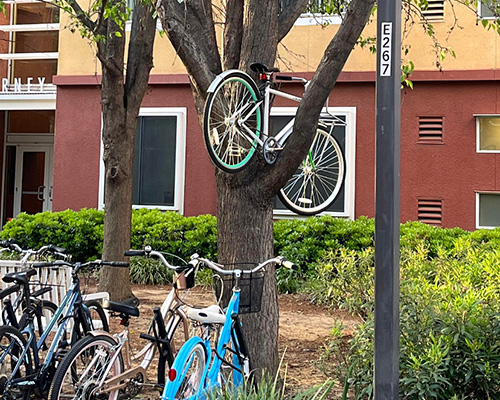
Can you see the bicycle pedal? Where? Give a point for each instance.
(159, 387)
(60, 354)
(26, 383)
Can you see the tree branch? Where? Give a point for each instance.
(190, 28)
(140, 53)
(233, 33)
(81, 15)
(321, 85)
(289, 15)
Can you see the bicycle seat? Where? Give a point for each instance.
(208, 315)
(19, 277)
(121, 308)
(261, 68)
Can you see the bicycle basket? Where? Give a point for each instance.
(184, 280)
(251, 286)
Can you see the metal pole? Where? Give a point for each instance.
(387, 205)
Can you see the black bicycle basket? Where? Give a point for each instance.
(251, 287)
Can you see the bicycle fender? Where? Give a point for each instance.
(172, 386)
(102, 333)
(221, 77)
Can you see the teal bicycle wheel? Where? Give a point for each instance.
(232, 115)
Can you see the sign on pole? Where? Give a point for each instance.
(387, 205)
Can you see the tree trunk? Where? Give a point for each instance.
(245, 234)
(121, 100)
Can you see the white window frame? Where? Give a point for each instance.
(350, 160)
(478, 132)
(180, 157)
(479, 9)
(478, 195)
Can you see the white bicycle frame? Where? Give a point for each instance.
(282, 136)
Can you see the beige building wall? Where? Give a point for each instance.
(476, 48)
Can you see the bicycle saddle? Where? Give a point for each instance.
(19, 277)
(261, 68)
(208, 315)
(121, 308)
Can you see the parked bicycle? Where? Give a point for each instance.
(103, 366)
(236, 124)
(202, 365)
(14, 312)
(24, 366)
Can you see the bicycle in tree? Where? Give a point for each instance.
(236, 125)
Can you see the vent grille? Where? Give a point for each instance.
(434, 12)
(430, 211)
(430, 130)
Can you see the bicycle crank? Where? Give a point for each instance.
(270, 150)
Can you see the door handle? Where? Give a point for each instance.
(40, 193)
(50, 193)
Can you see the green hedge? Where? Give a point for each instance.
(450, 321)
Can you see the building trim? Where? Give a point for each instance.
(345, 76)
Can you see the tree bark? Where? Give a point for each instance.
(121, 100)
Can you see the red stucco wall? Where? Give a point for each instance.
(77, 148)
(452, 171)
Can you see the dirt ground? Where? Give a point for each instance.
(304, 332)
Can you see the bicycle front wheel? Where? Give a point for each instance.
(186, 375)
(232, 122)
(318, 180)
(85, 368)
(12, 345)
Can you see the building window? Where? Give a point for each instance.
(487, 206)
(488, 133)
(488, 10)
(159, 155)
(345, 133)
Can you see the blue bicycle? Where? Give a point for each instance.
(198, 369)
(22, 370)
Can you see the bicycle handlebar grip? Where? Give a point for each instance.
(131, 253)
(116, 263)
(43, 264)
(283, 78)
(56, 249)
(290, 265)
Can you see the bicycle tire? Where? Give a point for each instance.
(12, 344)
(48, 310)
(228, 144)
(315, 185)
(189, 367)
(98, 314)
(176, 336)
(80, 360)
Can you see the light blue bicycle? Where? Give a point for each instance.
(198, 368)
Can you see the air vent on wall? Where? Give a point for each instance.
(434, 11)
(430, 130)
(430, 211)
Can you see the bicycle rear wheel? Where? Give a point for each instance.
(12, 345)
(231, 114)
(84, 369)
(318, 180)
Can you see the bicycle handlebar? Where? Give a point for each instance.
(149, 252)
(77, 266)
(280, 261)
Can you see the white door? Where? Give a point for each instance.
(33, 179)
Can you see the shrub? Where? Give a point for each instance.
(450, 325)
